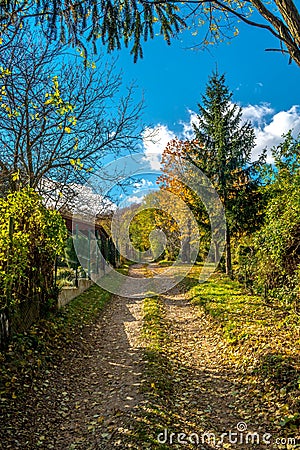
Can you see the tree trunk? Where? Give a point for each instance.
(217, 251)
(287, 30)
(228, 253)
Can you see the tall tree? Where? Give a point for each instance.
(133, 22)
(223, 145)
(58, 119)
(222, 149)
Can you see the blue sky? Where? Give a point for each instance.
(172, 79)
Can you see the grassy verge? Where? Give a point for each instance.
(44, 344)
(261, 340)
(159, 387)
(154, 332)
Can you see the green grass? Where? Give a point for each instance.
(261, 340)
(242, 316)
(153, 330)
(260, 343)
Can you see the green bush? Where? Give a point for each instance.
(277, 242)
(65, 276)
(31, 236)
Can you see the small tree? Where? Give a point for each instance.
(58, 119)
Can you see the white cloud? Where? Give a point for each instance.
(257, 113)
(284, 121)
(188, 128)
(133, 199)
(270, 127)
(155, 141)
(142, 184)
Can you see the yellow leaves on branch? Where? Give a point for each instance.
(87, 63)
(4, 72)
(54, 98)
(16, 176)
(63, 108)
(10, 112)
(3, 93)
(78, 165)
(35, 116)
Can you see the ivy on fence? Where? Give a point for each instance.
(30, 238)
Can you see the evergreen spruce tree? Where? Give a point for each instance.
(222, 149)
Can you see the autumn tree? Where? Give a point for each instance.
(160, 225)
(222, 149)
(139, 228)
(58, 119)
(133, 22)
(173, 173)
(165, 222)
(134, 224)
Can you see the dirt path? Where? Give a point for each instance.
(210, 403)
(97, 398)
(88, 401)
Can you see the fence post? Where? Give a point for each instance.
(55, 271)
(5, 317)
(10, 245)
(89, 254)
(103, 253)
(76, 275)
(76, 255)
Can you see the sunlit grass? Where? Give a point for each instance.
(261, 340)
(153, 329)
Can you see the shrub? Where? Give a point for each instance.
(31, 236)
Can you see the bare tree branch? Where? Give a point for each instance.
(58, 121)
